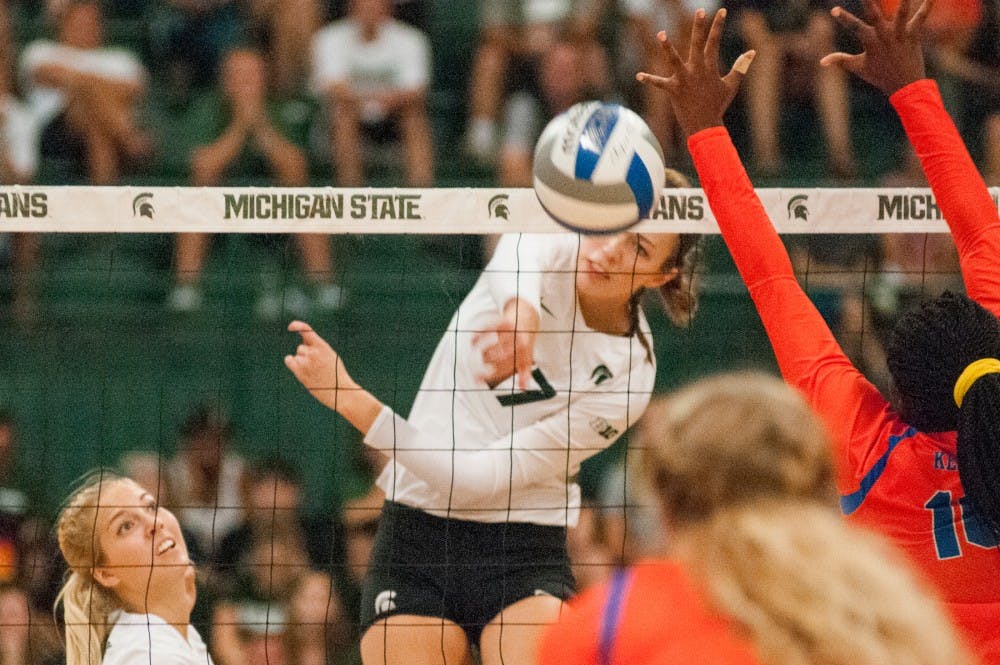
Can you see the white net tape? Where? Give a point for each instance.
(436, 211)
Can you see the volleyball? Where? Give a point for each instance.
(597, 168)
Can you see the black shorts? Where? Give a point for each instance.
(462, 571)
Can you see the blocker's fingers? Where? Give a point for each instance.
(851, 22)
(873, 10)
(742, 64)
(712, 44)
(845, 61)
(655, 81)
(916, 23)
(699, 35)
(736, 73)
(876, 19)
(902, 11)
(672, 59)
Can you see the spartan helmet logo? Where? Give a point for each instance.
(142, 205)
(385, 601)
(498, 207)
(600, 374)
(797, 208)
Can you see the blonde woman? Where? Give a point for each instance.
(759, 567)
(131, 587)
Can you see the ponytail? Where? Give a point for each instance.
(680, 295)
(87, 605)
(806, 587)
(86, 608)
(979, 449)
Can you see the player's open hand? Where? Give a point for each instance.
(698, 92)
(893, 55)
(318, 367)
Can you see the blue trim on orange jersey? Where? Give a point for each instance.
(612, 616)
(851, 502)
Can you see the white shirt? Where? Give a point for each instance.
(114, 64)
(146, 639)
(209, 523)
(397, 59)
(21, 132)
(463, 453)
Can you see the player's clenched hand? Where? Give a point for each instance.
(893, 55)
(318, 367)
(510, 347)
(698, 92)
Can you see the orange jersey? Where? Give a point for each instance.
(650, 614)
(900, 481)
(961, 15)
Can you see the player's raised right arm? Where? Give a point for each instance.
(807, 352)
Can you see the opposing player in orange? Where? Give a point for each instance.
(758, 568)
(923, 468)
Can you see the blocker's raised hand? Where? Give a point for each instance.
(893, 55)
(698, 92)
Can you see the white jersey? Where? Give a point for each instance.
(398, 59)
(146, 639)
(501, 454)
(113, 64)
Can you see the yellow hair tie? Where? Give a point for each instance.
(972, 373)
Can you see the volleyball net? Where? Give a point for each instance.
(115, 372)
(102, 334)
(430, 211)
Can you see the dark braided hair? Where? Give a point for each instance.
(928, 350)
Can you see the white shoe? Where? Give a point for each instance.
(185, 298)
(481, 141)
(273, 304)
(329, 297)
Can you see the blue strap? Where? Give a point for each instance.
(851, 502)
(612, 615)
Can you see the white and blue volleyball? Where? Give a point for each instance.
(598, 168)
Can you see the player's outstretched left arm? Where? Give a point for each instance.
(321, 370)
(893, 62)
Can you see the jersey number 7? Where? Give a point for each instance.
(545, 391)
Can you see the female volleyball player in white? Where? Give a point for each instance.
(131, 588)
(545, 363)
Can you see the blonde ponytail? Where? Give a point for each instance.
(809, 588)
(741, 467)
(86, 605)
